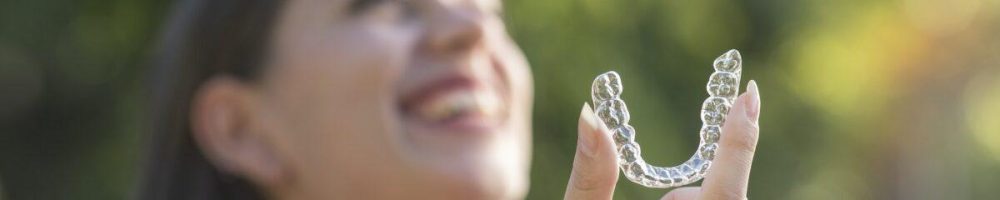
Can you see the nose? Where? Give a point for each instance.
(453, 30)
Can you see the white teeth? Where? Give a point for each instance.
(487, 103)
(459, 102)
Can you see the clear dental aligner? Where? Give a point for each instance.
(722, 88)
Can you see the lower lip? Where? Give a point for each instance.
(471, 124)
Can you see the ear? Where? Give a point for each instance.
(225, 128)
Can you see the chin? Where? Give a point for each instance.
(499, 174)
(486, 185)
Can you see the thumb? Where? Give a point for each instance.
(595, 167)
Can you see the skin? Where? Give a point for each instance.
(339, 112)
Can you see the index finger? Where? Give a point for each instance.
(595, 167)
(730, 172)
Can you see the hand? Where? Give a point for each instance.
(595, 167)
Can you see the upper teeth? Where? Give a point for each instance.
(456, 103)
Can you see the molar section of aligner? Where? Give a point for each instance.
(620, 111)
(629, 153)
(613, 113)
(707, 150)
(731, 61)
(607, 86)
(714, 110)
(710, 133)
(614, 83)
(624, 135)
(723, 84)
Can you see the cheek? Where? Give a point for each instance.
(334, 94)
(343, 79)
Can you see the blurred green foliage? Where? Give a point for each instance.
(893, 99)
(73, 89)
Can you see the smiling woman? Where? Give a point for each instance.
(357, 99)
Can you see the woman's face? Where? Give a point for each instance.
(426, 99)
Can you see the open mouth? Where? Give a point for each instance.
(454, 105)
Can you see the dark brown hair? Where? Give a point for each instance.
(202, 39)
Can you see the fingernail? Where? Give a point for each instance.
(753, 106)
(588, 143)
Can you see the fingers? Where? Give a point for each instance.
(595, 167)
(684, 193)
(730, 172)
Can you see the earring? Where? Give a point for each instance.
(722, 87)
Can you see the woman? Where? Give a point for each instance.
(369, 99)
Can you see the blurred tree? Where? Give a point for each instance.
(73, 88)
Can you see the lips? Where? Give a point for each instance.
(453, 103)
